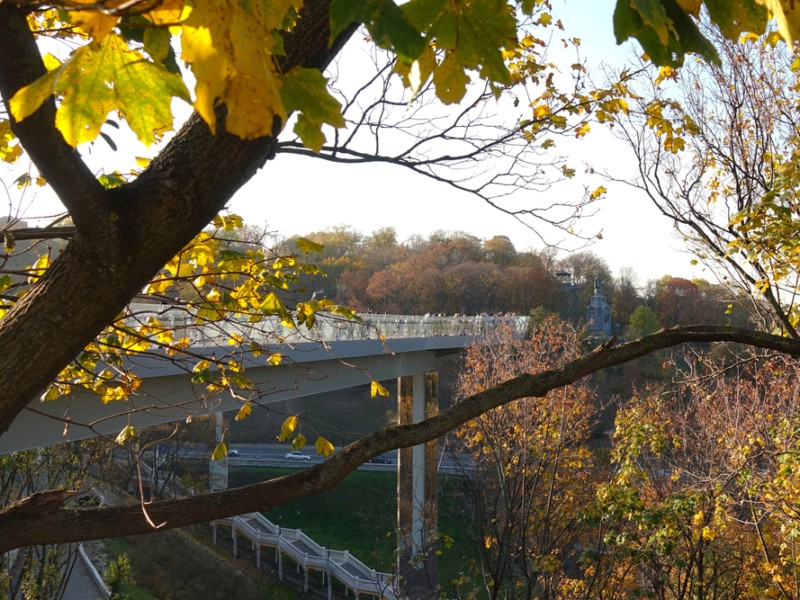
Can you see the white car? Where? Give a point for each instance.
(296, 455)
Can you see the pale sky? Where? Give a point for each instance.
(314, 195)
(295, 195)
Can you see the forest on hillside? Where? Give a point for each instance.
(459, 273)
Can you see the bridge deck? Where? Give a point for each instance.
(341, 355)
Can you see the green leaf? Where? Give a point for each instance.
(307, 246)
(665, 31)
(99, 78)
(157, 43)
(386, 22)
(9, 243)
(306, 91)
(476, 33)
(272, 305)
(733, 18)
(653, 15)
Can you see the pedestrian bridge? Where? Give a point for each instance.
(335, 354)
(308, 555)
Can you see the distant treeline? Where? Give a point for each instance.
(458, 273)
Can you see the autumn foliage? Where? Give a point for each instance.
(528, 467)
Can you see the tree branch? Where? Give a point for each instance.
(154, 217)
(68, 525)
(60, 164)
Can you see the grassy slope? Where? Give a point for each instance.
(174, 565)
(360, 516)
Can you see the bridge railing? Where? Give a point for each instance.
(370, 326)
(332, 561)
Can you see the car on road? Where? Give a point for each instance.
(296, 455)
(380, 460)
(233, 452)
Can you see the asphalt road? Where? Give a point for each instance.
(273, 455)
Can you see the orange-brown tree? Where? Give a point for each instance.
(528, 469)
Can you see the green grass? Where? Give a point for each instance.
(360, 516)
(174, 565)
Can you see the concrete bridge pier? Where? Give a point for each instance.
(417, 489)
(218, 469)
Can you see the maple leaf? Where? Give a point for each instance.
(101, 77)
(244, 411)
(230, 46)
(306, 91)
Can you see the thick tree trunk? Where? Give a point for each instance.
(124, 235)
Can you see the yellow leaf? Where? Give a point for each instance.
(582, 130)
(541, 112)
(597, 193)
(51, 62)
(28, 99)
(229, 45)
(101, 77)
(748, 37)
(114, 394)
(52, 393)
(93, 23)
(299, 442)
(450, 80)
(376, 389)
(666, 72)
(167, 12)
(287, 429)
(421, 70)
(126, 434)
(253, 101)
(275, 359)
(324, 447)
(39, 267)
(244, 411)
(220, 452)
(787, 17)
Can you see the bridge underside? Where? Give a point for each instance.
(167, 394)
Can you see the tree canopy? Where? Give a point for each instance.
(253, 64)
